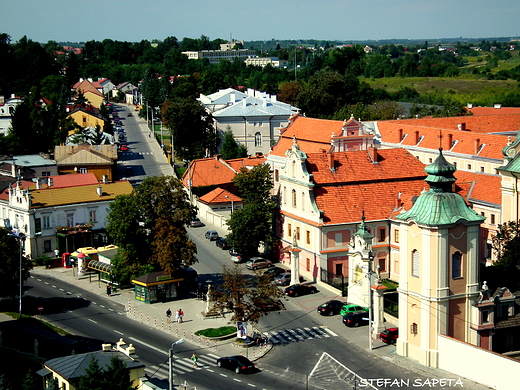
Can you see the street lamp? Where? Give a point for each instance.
(232, 205)
(371, 311)
(170, 354)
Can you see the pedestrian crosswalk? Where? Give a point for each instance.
(182, 366)
(298, 334)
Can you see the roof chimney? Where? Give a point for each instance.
(477, 145)
(330, 161)
(400, 135)
(398, 202)
(462, 126)
(450, 141)
(416, 137)
(99, 190)
(372, 152)
(38, 183)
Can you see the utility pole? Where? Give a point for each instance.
(371, 301)
(170, 370)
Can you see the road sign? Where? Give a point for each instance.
(40, 308)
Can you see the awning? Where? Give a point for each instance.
(100, 266)
(44, 372)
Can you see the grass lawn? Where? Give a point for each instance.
(217, 332)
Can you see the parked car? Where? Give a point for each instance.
(283, 279)
(195, 222)
(222, 243)
(129, 114)
(237, 363)
(389, 335)
(190, 275)
(255, 263)
(211, 235)
(351, 308)
(235, 257)
(330, 308)
(123, 148)
(275, 271)
(269, 304)
(129, 171)
(356, 319)
(300, 289)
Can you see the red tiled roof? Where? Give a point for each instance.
(251, 161)
(219, 195)
(483, 186)
(476, 111)
(358, 166)
(467, 142)
(357, 183)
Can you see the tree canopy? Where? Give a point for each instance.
(116, 376)
(252, 225)
(10, 264)
(230, 148)
(149, 226)
(506, 244)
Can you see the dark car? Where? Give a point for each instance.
(211, 235)
(389, 335)
(330, 308)
(275, 271)
(222, 243)
(237, 363)
(300, 289)
(356, 319)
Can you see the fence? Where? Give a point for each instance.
(337, 281)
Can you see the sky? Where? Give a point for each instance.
(257, 20)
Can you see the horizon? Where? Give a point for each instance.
(334, 20)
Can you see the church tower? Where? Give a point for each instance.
(439, 271)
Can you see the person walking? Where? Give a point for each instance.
(177, 316)
(194, 358)
(181, 314)
(109, 289)
(168, 315)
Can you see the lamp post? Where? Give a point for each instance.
(170, 354)
(232, 204)
(371, 309)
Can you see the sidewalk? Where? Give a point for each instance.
(154, 315)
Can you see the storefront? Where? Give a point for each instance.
(156, 287)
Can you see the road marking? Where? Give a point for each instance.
(148, 345)
(103, 306)
(118, 332)
(39, 280)
(250, 384)
(237, 380)
(52, 285)
(210, 370)
(92, 321)
(46, 282)
(224, 375)
(330, 332)
(110, 309)
(62, 290)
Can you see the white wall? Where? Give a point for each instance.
(475, 363)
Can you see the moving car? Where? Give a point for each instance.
(237, 363)
(255, 263)
(221, 242)
(351, 308)
(330, 308)
(356, 319)
(389, 335)
(211, 235)
(195, 222)
(300, 289)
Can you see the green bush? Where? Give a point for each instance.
(216, 332)
(42, 260)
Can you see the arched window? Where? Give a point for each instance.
(258, 139)
(415, 263)
(294, 198)
(456, 265)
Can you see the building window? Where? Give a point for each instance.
(382, 235)
(454, 164)
(70, 219)
(46, 219)
(47, 246)
(456, 265)
(492, 217)
(338, 239)
(382, 264)
(276, 175)
(469, 167)
(258, 139)
(46, 174)
(413, 328)
(92, 216)
(308, 263)
(339, 269)
(293, 192)
(485, 316)
(307, 236)
(482, 214)
(430, 160)
(482, 169)
(289, 230)
(298, 233)
(415, 263)
(37, 225)
(83, 170)
(396, 235)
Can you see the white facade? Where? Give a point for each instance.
(7, 109)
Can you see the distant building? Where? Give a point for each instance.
(275, 62)
(7, 108)
(214, 56)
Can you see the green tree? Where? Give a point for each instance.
(252, 224)
(117, 376)
(30, 382)
(191, 126)
(506, 245)
(52, 384)
(93, 378)
(230, 148)
(10, 264)
(153, 217)
(248, 300)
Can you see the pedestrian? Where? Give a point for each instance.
(181, 314)
(56, 253)
(109, 289)
(194, 358)
(168, 315)
(177, 316)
